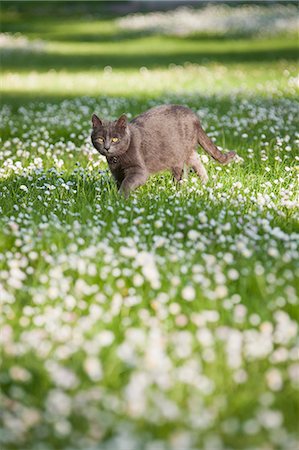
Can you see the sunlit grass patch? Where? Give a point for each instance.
(278, 79)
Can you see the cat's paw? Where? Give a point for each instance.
(204, 179)
(230, 156)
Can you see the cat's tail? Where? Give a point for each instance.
(206, 143)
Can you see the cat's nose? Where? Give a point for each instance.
(107, 146)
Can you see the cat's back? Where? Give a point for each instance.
(164, 116)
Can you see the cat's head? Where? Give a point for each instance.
(110, 138)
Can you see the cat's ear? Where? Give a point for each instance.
(96, 122)
(122, 122)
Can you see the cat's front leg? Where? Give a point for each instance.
(132, 181)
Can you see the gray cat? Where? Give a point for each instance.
(163, 138)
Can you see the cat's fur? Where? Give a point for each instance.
(163, 138)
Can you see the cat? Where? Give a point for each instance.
(163, 138)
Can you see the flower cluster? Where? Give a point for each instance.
(216, 19)
(18, 41)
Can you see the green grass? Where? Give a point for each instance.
(168, 320)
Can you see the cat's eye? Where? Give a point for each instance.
(100, 140)
(115, 139)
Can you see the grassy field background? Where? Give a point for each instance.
(167, 321)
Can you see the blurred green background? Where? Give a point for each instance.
(66, 49)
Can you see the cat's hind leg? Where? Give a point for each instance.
(195, 163)
(177, 173)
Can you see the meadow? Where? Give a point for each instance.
(168, 320)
